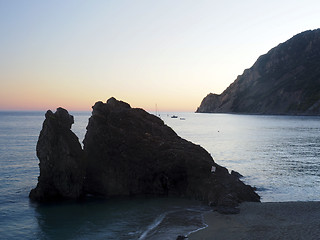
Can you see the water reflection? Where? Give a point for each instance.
(119, 219)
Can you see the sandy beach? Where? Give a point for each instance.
(285, 220)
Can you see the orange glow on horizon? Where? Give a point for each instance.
(86, 105)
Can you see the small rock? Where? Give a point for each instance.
(180, 237)
(227, 210)
(236, 174)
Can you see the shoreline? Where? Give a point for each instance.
(268, 220)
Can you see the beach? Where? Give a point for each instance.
(269, 220)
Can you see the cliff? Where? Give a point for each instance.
(286, 80)
(129, 152)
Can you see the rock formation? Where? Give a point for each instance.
(129, 152)
(62, 168)
(286, 80)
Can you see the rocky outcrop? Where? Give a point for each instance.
(62, 168)
(129, 152)
(286, 80)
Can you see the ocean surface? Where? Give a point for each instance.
(279, 155)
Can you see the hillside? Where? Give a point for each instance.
(286, 80)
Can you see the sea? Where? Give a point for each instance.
(279, 155)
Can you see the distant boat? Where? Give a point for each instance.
(182, 119)
(174, 116)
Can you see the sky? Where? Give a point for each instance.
(166, 54)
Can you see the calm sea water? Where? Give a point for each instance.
(280, 155)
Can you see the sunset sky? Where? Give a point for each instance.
(170, 53)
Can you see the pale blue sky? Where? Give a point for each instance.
(169, 53)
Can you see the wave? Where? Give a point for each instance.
(153, 225)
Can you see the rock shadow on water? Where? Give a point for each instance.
(138, 218)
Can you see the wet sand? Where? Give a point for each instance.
(285, 220)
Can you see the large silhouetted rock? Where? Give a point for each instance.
(131, 152)
(62, 168)
(128, 152)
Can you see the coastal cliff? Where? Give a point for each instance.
(286, 80)
(129, 152)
